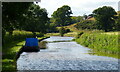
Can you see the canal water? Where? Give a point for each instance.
(64, 54)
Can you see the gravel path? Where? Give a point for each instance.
(65, 56)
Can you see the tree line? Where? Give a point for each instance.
(23, 16)
(31, 17)
(106, 18)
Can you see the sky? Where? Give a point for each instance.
(78, 7)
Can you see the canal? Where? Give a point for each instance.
(64, 54)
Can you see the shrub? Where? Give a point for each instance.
(79, 34)
(67, 30)
(86, 24)
(62, 31)
(40, 34)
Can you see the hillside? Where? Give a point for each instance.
(118, 12)
(91, 19)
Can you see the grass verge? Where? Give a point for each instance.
(11, 46)
(100, 43)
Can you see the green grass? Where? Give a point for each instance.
(8, 65)
(71, 34)
(112, 33)
(11, 46)
(52, 34)
(100, 53)
(100, 42)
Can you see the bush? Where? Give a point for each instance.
(67, 30)
(86, 24)
(17, 36)
(79, 34)
(62, 31)
(40, 34)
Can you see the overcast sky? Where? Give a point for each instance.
(79, 7)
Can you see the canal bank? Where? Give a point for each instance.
(100, 43)
(9, 59)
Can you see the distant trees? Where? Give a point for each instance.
(62, 31)
(52, 26)
(91, 15)
(30, 17)
(62, 16)
(85, 16)
(75, 19)
(86, 24)
(105, 18)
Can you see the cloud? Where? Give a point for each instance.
(79, 7)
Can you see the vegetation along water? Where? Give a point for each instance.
(98, 30)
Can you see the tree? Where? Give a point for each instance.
(85, 16)
(117, 25)
(90, 15)
(62, 15)
(105, 18)
(76, 19)
(12, 13)
(62, 31)
(86, 24)
(36, 19)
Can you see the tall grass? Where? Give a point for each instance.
(11, 45)
(100, 42)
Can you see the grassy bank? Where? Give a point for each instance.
(100, 42)
(52, 34)
(11, 46)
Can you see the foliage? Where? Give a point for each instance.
(52, 27)
(79, 34)
(36, 19)
(24, 16)
(76, 19)
(62, 16)
(52, 34)
(7, 65)
(100, 42)
(67, 30)
(91, 15)
(105, 18)
(71, 34)
(85, 16)
(17, 36)
(117, 24)
(86, 24)
(62, 31)
(11, 47)
(12, 13)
